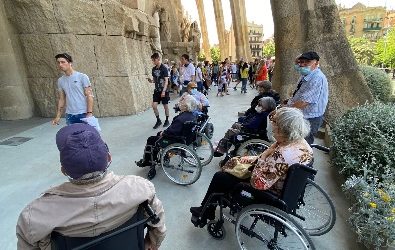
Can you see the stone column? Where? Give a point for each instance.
(219, 20)
(305, 25)
(15, 99)
(240, 27)
(203, 29)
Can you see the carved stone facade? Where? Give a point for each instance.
(110, 40)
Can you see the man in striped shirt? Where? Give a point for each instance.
(311, 94)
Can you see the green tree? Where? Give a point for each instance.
(215, 54)
(268, 49)
(363, 49)
(201, 57)
(385, 48)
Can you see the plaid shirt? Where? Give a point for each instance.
(314, 91)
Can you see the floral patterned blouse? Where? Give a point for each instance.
(272, 165)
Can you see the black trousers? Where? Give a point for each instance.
(151, 142)
(223, 182)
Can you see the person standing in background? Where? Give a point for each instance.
(75, 92)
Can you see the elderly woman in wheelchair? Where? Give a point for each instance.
(269, 170)
(172, 144)
(251, 126)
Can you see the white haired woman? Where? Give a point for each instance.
(270, 167)
(187, 105)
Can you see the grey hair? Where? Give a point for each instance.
(187, 103)
(267, 103)
(291, 123)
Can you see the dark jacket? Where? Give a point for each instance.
(256, 122)
(177, 125)
(254, 102)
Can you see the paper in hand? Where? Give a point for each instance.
(93, 121)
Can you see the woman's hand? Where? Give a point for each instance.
(244, 159)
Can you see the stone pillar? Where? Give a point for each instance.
(305, 25)
(219, 20)
(203, 29)
(15, 99)
(240, 27)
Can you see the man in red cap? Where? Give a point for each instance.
(93, 201)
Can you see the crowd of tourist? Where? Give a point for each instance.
(95, 200)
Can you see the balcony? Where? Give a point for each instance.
(372, 29)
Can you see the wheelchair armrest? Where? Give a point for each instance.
(153, 217)
(176, 137)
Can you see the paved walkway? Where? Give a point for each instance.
(32, 167)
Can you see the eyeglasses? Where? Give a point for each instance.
(271, 117)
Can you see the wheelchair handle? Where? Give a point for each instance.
(320, 147)
(153, 217)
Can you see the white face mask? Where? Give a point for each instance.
(258, 109)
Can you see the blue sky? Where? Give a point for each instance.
(258, 11)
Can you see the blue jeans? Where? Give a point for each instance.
(200, 86)
(71, 119)
(315, 124)
(244, 84)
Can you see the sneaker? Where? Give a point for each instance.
(209, 213)
(234, 88)
(166, 123)
(196, 211)
(157, 124)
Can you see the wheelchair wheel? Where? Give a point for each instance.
(267, 227)
(216, 230)
(316, 209)
(252, 147)
(181, 164)
(209, 130)
(204, 149)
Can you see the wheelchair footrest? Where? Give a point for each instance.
(197, 221)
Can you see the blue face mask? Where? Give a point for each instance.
(297, 67)
(305, 70)
(194, 91)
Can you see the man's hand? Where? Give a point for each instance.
(149, 80)
(56, 121)
(163, 94)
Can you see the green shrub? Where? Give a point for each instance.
(372, 214)
(364, 141)
(378, 82)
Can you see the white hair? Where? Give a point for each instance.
(291, 123)
(267, 103)
(187, 103)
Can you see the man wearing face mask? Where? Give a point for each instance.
(201, 100)
(311, 93)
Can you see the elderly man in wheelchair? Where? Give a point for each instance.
(265, 185)
(171, 148)
(247, 128)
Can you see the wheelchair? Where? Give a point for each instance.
(202, 144)
(246, 143)
(315, 211)
(262, 219)
(177, 156)
(129, 235)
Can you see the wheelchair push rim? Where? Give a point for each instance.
(253, 147)
(317, 209)
(203, 148)
(181, 164)
(267, 227)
